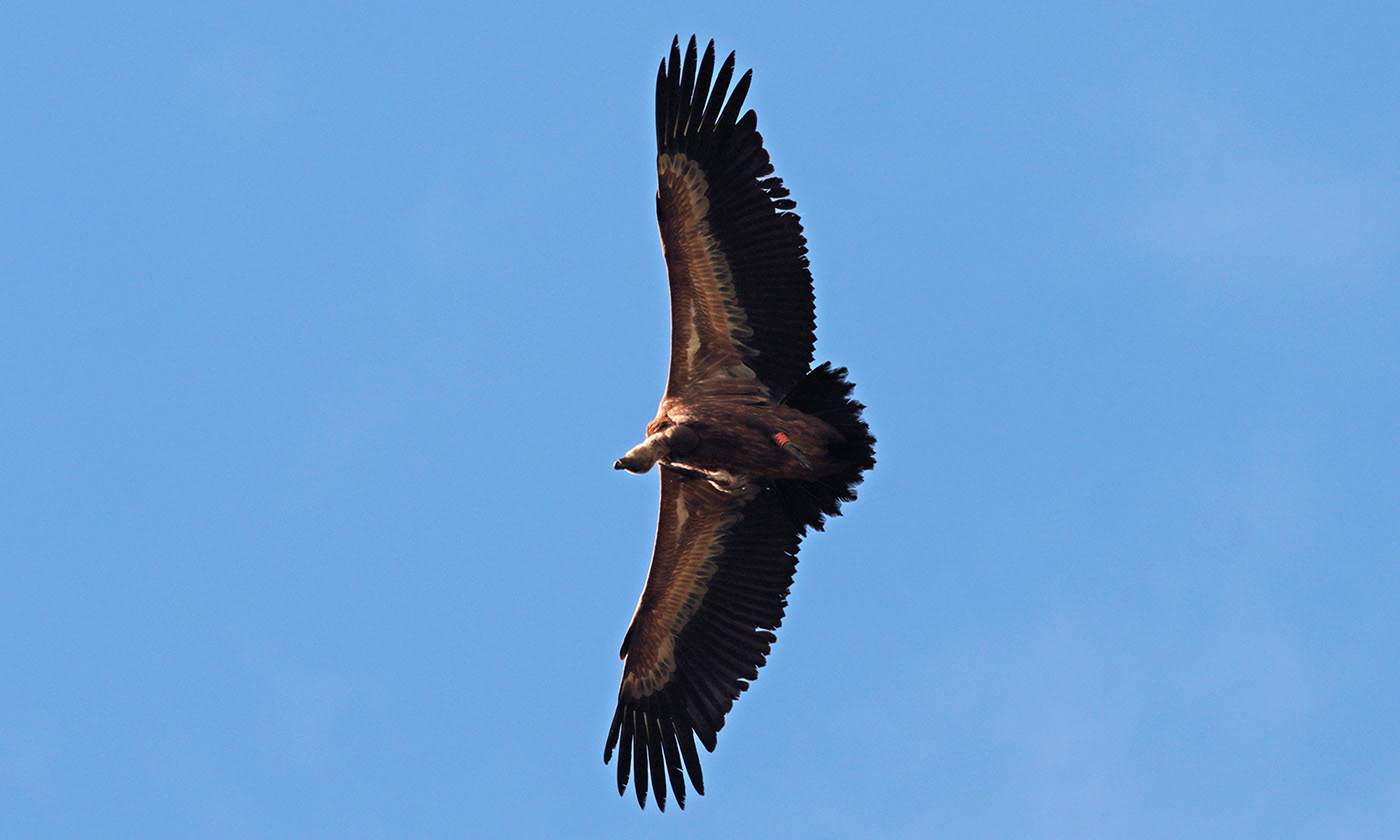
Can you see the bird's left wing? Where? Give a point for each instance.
(716, 590)
(742, 316)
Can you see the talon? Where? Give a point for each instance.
(785, 444)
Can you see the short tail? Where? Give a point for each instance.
(826, 394)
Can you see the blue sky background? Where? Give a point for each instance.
(321, 326)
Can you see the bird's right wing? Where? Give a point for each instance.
(716, 590)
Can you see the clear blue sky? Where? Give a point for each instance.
(321, 327)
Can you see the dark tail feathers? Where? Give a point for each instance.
(825, 393)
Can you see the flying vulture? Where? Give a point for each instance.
(755, 445)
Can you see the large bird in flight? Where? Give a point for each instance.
(755, 445)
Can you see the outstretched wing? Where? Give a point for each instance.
(716, 590)
(742, 316)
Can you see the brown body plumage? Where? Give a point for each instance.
(755, 445)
